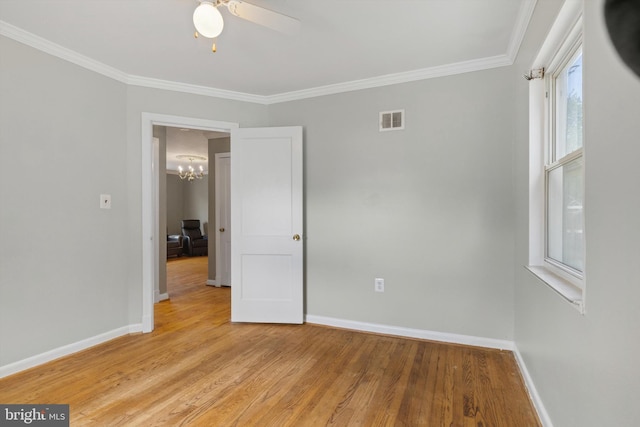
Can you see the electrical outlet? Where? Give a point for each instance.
(378, 284)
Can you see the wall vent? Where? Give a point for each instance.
(391, 120)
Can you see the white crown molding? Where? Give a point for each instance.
(411, 333)
(61, 52)
(519, 30)
(391, 79)
(195, 89)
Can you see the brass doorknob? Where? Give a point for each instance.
(296, 237)
(222, 230)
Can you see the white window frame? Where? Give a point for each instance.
(566, 53)
(562, 43)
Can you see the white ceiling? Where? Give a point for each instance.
(342, 44)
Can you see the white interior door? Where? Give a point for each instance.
(223, 219)
(266, 225)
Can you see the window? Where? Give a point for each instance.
(564, 169)
(391, 120)
(557, 165)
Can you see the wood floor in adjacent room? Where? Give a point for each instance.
(198, 369)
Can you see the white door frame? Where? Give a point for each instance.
(149, 231)
(155, 198)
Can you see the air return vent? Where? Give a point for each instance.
(391, 120)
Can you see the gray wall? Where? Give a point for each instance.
(63, 260)
(585, 367)
(430, 208)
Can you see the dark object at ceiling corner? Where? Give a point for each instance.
(623, 23)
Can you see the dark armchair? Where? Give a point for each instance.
(174, 245)
(193, 241)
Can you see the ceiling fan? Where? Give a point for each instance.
(209, 23)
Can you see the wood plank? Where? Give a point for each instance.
(197, 368)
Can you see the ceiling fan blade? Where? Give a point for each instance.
(265, 17)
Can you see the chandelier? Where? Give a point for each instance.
(191, 174)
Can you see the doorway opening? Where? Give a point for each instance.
(152, 236)
(187, 197)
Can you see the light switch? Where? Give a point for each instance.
(378, 284)
(105, 201)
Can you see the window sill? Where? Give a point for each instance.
(563, 287)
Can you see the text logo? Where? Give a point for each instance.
(34, 415)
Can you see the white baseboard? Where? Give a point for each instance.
(213, 283)
(48, 356)
(449, 338)
(533, 392)
(157, 296)
(66, 350)
(412, 333)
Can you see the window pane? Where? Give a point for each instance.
(397, 120)
(565, 220)
(386, 121)
(568, 108)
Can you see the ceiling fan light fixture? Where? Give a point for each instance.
(208, 20)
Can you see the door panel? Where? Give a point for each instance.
(266, 214)
(267, 206)
(262, 276)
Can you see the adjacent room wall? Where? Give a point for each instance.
(194, 198)
(175, 204)
(196, 202)
(186, 200)
(585, 367)
(428, 208)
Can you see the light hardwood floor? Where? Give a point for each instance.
(198, 369)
